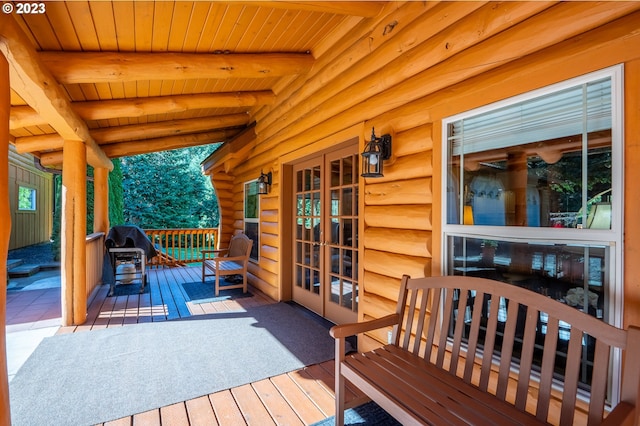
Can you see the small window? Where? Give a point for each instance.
(252, 216)
(26, 198)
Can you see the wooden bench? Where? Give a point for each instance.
(442, 377)
(233, 260)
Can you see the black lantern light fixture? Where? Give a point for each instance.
(264, 182)
(375, 151)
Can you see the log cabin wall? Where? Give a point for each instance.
(403, 72)
(29, 227)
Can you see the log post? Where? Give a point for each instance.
(100, 200)
(5, 233)
(74, 230)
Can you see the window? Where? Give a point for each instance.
(252, 216)
(533, 196)
(26, 198)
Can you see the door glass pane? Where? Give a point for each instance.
(335, 202)
(346, 263)
(347, 294)
(335, 173)
(335, 260)
(316, 177)
(347, 228)
(347, 202)
(347, 171)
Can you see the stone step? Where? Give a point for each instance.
(12, 263)
(23, 271)
(49, 266)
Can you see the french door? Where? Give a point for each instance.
(325, 276)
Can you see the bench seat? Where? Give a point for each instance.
(418, 392)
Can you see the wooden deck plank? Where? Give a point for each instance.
(159, 310)
(148, 418)
(255, 414)
(174, 415)
(200, 412)
(306, 409)
(315, 391)
(277, 406)
(226, 410)
(116, 319)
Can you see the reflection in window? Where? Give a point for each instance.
(574, 274)
(543, 162)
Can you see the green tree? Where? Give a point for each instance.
(116, 200)
(168, 190)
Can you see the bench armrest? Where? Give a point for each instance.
(344, 330)
(622, 415)
(206, 252)
(240, 259)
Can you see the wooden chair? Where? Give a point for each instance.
(230, 261)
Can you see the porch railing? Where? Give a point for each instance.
(95, 256)
(177, 247)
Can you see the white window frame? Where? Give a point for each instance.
(611, 237)
(33, 198)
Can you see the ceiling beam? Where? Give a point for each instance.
(31, 80)
(136, 132)
(366, 9)
(146, 146)
(109, 67)
(24, 116)
(139, 107)
(168, 128)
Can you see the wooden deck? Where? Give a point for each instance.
(299, 397)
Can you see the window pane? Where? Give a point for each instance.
(251, 200)
(252, 231)
(26, 198)
(575, 274)
(548, 164)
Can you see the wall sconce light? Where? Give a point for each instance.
(264, 182)
(375, 151)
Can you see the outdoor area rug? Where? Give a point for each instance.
(366, 414)
(95, 376)
(204, 292)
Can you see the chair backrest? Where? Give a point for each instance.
(240, 245)
(454, 314)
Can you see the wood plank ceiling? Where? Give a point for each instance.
(145, 76)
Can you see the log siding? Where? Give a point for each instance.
(439, 60)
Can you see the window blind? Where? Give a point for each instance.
(573, 111)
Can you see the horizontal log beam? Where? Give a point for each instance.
(24, 116)
(168, 128)
(138, 107)
(30, 144)
(124, 149)
(109, 67)
(140, 132)
(33, 82)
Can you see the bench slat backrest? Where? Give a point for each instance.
(454, 316)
